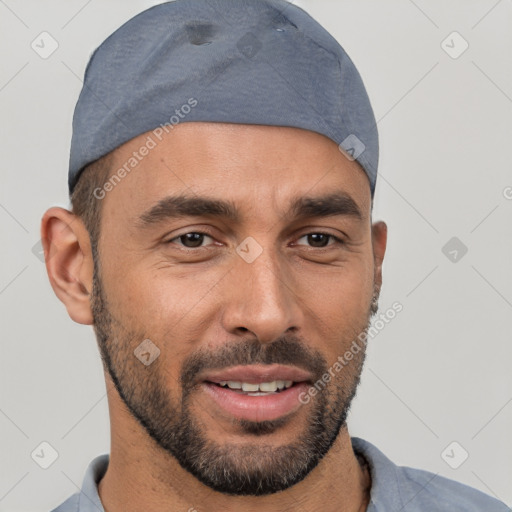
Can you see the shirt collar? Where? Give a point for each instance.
(89, 499)
(385, 492)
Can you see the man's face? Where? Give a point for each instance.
(257, 293)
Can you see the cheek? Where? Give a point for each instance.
(168, 308)
(346, 290)
(338, 305)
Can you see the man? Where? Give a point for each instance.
(222, 172)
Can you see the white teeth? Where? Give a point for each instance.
(250, 387)
(265, 387)
(268, 386)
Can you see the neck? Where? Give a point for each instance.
(143, 477)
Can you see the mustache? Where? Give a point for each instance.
(289, 350)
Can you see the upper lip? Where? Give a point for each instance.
(254, 374)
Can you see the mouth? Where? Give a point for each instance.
(257, 392)
(256, 389)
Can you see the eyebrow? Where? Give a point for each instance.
(174, 207)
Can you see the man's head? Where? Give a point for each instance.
(230, 246)
(211, 256)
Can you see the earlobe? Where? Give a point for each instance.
(69, 262)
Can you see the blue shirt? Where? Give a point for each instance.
(394, 488)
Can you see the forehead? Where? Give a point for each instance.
(250, 165)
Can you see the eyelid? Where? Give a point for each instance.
(205, 232)
(199, 232)
(337, 240)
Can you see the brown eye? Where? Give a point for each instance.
(191, 240)
(320, 240)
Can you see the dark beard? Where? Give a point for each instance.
(249, 469)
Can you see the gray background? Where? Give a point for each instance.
(438, 373)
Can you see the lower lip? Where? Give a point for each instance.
(256, 408)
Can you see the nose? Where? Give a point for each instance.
(261, 298)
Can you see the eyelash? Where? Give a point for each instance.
(337, 241)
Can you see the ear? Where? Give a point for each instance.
(69, 264)
(379, 241)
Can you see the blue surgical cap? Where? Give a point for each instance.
(264, 62)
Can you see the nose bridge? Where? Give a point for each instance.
(262, 298)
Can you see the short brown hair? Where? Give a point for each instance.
(84, 203)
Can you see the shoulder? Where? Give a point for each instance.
(91, 501)
(417, 490)
(70, 505)
(430, 489)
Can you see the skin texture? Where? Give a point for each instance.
(205, 307)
